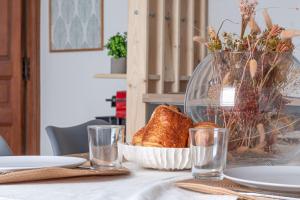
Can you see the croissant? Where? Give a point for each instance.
(205, 125)
(167, 127)
(205, 136)
(138, 137)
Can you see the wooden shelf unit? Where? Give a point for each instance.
(161, 52)
(111, 76)
(174, 99)
(124, 76)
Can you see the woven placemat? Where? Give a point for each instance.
(227, 187)
(57, 173)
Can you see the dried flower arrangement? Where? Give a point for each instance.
(258, 66)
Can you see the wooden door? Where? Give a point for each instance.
(31, 43)
(11, 84)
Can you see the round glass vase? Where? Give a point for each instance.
(256, 96)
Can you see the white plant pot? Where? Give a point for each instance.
(118, 66)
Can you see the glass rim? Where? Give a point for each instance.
(220, 130)
(105, 126)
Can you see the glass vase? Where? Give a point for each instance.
(256, 96)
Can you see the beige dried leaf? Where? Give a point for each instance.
(226, 79)
(253, 67)
(242, 149)
(262, 135)
(253, 26)
(212, 33)
(289, 34)
(258, 150)
(268, 19)
(199, 39)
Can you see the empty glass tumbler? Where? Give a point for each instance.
(103, 145)
(208, 148)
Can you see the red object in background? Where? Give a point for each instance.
(121, 104)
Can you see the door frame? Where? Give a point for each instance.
(31, 28)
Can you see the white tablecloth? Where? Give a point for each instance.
(142, 184)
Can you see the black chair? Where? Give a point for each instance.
(71, 140)
(4, 148)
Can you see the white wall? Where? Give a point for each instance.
(280, 10)
(69, 93)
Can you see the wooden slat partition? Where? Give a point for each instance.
(176, 17)
(161, 11)
(197, 30)
(168, 54)
(183, 41)
(137, 72)
(152, 52)
(190, 35)
(203, 26)
(161, 52)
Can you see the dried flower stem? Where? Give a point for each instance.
(259, 100)
(269, 132)
(225, 20)
(268, 19)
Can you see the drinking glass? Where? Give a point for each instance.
(208, 148)
(103, 145)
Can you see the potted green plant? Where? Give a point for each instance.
(117, 48)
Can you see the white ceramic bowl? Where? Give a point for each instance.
(157, 158)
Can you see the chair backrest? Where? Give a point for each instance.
(4, 148)
(71, 140)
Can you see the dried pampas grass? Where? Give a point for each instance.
(253, 67)
(253, 26)
(262, 133)
(257, 65)
(226, 79)
(212, 33)
(268, 19)
(199, 39)
(289, 34)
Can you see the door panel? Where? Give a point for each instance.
(4, 33)
(4, 91)
(5, 39)
(11, 74)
